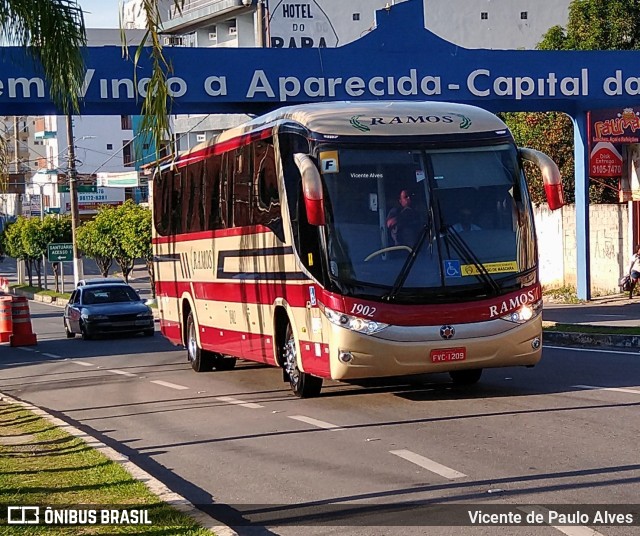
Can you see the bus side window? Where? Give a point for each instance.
(175, 220)
(192, 207)
(242, 180)
(211, 199)
(266, 201)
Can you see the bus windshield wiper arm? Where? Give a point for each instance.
(406, 267)
(467, 254)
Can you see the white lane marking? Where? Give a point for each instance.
(428, 464)
(83, 363)
(231, 400)
(122, 372)
(616, 389)
(53, 355)
(597, 350)
(24, 349)
(170, 385)
(315, 422)
(569, 530)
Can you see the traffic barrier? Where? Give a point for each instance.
(6, 323)
(22, 333)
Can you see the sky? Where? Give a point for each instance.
(100, 13)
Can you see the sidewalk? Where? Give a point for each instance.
(606, 312)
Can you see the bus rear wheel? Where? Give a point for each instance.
(302, 384)
(200, 360)
(465, 377)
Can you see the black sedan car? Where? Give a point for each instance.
(102, 309)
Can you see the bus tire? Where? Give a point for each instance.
(302, 384)
(224, 362)
(200, 360)
(465, 377)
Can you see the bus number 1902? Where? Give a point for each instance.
(363, 310)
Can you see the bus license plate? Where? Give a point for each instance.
(444, 355)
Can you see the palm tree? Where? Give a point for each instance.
(155, 113)
(54, 33)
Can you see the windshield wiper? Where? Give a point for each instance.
(467, 254)
(411, 259)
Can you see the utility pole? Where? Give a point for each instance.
(73, 195)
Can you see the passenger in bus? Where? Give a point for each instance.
(403, 222)
(465, 221)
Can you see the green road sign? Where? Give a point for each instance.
(62, 252)
(85, 188)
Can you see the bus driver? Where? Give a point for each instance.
(402, 221)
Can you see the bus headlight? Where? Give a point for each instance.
(354, 323)
(525, 313)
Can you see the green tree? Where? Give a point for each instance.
(592, 25)
(136, 236)
(24, 240)
(96, 240)
(13, 239)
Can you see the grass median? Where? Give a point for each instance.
(42, 465)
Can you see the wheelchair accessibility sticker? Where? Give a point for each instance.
(452, 268)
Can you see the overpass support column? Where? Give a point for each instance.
(581, 155)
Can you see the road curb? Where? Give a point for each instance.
(154, 485)
(562, 338)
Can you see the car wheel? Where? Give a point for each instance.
(465, 377)
(86, 336)
(149, 332)
(302, 384)
(200, 360)
(70, 334)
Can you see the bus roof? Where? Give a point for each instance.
(367, 118)
(389, 118)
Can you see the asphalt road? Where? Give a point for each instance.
(362, 459)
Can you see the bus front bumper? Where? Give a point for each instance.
(356, 356)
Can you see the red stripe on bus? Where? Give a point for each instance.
(395, 314)
(241, 292)
(204, 235)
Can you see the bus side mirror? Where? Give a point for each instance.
(550, 176)
(311, 188)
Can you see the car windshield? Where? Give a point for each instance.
(113, 294)
(423, 220)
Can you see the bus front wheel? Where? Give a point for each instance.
(465, 377)
(200, 360)
(302, 384)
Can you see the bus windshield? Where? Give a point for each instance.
(415, 223)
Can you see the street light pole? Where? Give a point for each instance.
(73, 195)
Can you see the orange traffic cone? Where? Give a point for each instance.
(6, 324)
(22, 332)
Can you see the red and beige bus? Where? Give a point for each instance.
(352, 240)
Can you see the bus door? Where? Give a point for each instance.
(251, 249)
(226, 254)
